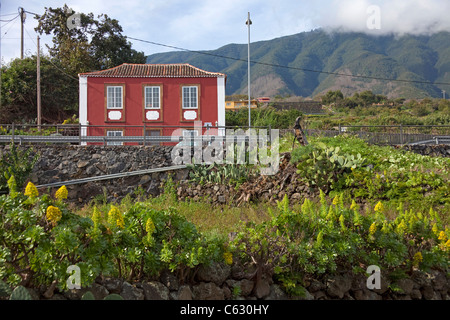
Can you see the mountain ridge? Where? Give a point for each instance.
(306, 64)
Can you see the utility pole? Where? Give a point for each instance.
(22, 22)
(38, 83)
(248, 23)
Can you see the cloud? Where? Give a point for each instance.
(418, 17)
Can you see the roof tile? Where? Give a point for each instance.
(128, 70)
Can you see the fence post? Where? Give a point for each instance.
(79, 133)
(339, 129)
(145, 133)
(13, 132)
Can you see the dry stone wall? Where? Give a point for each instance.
(222, 282)
(63, 163)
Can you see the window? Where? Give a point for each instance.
(152, 97)
(190, 97)
(189, 136)
(114, 134)
(153, 133)
(114, 97)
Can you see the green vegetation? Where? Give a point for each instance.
(373, 173)
(96, 44)
(17, 163)
(409, 57)
(263, 117)
(384, 207)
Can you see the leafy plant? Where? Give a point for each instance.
(16, 162)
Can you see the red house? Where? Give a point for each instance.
(150, 97)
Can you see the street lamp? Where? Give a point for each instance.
(248, 23)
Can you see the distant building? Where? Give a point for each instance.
(241, 104)
(263, 99)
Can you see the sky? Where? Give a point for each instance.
(210, 24)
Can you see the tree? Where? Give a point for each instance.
(59, 92)
(332, 97)
(94, 44)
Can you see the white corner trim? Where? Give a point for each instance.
(221, 101)
(82, 103)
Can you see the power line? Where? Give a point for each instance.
(289, 67)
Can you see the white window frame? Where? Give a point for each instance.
(188, 133)
(189, 98)
(152, 98)
(114, 101)
(114, 133)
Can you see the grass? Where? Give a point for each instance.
(223, 219)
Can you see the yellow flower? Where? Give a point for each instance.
(447, 244)
(435, 229)
(353, 205)
(96, 217)
(228, 257)
(53, 214)
(379, 207)
(62, 193)
(373, 228)
(335, 200)
(115, 217)
(401, 228)
(31, 190)
(150, 226)
(417, 259)
(442, 236)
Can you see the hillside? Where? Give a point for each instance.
(423, 58)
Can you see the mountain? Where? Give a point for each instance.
(288, 65)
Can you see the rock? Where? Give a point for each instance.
(215, 272)
(154, 290)
(405, 285)
(262, 288)
(366, 294)
(306, 295)
(316, 286)
(130, 292)
(338, 286)
(184, 293)
(169, 280)
(296, 196)
(82, 163)
(207, 291)
(276, 293)
(144, 179)
(113, 285)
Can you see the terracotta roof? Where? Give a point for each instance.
(177, 70)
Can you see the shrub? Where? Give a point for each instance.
(18, 163)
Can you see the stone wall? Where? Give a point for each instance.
(440, 150)
(59, 163)
(222, 282)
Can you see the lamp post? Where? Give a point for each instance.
(248, 23)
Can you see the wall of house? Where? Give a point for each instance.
(134, 113)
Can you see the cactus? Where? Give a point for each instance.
(88, 296)
(20, 293)
(113, 296)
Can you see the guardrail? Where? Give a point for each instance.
(390, 134)
(143, 135)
